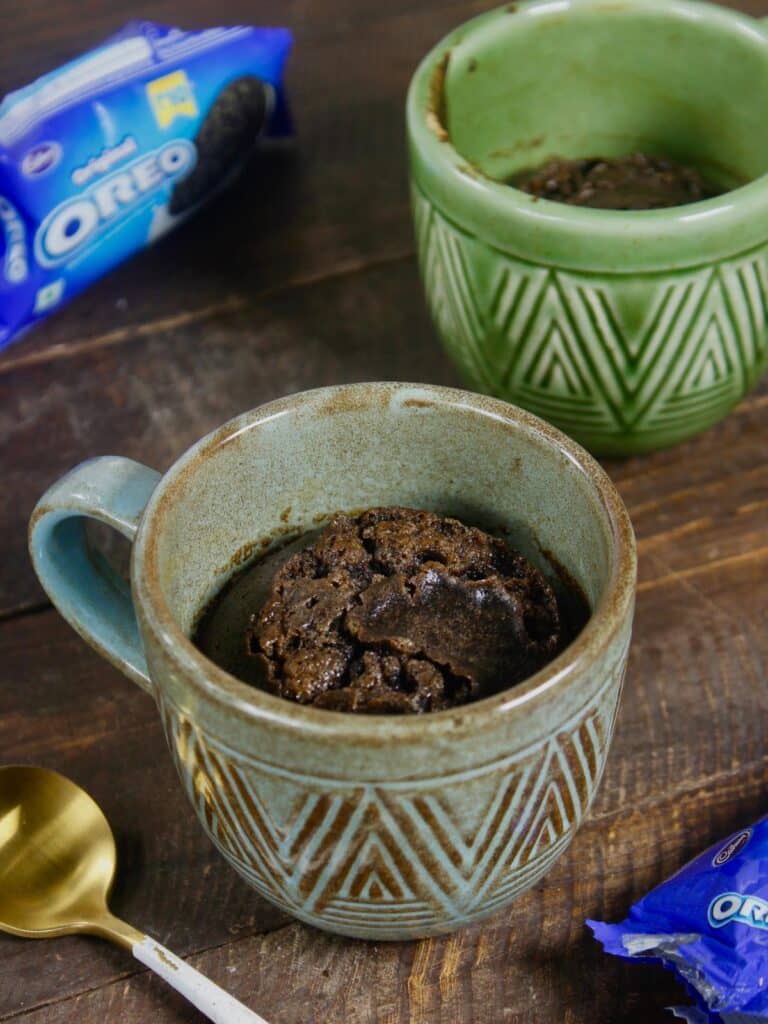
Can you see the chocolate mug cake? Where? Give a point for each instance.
(634, 182)
(397, 610)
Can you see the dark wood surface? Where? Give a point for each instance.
(304, 275)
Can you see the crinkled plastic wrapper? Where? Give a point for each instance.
(109, 152)
(708, 924)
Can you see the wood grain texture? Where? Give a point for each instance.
(335, 201)
(688, 765)
(303, 275)
(532, 963)
(151, 396)
(152, 392)
(61, 706)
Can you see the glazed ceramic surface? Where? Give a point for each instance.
(380, 827)
(630, 331)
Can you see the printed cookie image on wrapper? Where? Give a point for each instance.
(111, 151)
(226, 136)
(709, 925)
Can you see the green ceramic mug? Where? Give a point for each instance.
(630, 331)
(380, 827)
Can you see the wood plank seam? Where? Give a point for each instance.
(232, 304)
(644, 543)
(676, 576)
(697, 594)
(736, 774)
(31, 608)
(752, 404)
(654, 539)
(129, 974)
(689, 492)
(705, 782)
(66, 350)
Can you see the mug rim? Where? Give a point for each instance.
(203, 675)
(612, 241)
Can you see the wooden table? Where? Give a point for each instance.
(303, 275)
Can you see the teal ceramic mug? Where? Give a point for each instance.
(630, 331)
(379, 827)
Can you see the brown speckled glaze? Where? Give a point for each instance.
(380, 827)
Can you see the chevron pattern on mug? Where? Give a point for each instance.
(619, 361)
(396, 858)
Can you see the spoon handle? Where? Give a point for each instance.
(211, 1000)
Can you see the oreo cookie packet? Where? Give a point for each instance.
(109, 152)
(708, 924)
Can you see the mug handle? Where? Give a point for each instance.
(91, 596)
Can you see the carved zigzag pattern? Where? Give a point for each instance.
(338, 849)
(665, 351)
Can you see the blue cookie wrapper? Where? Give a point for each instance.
(90, 154)
(709, 925)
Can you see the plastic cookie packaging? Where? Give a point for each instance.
(109, 152)
(709, 925)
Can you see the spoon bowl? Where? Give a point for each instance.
(57, 865)
(57, 855)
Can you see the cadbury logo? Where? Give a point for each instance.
(41, 158)
(73, 224)
(734, 845)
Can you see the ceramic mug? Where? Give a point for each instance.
(371, 826)
(628, 330)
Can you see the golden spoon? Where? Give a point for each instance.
(57, 865)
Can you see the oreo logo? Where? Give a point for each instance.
(15, 263)
(738, 908)
(40, 158)
(733, 847)
(81, 221)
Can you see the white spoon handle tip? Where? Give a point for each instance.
(218, 1005)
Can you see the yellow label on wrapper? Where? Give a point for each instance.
(170, 97)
